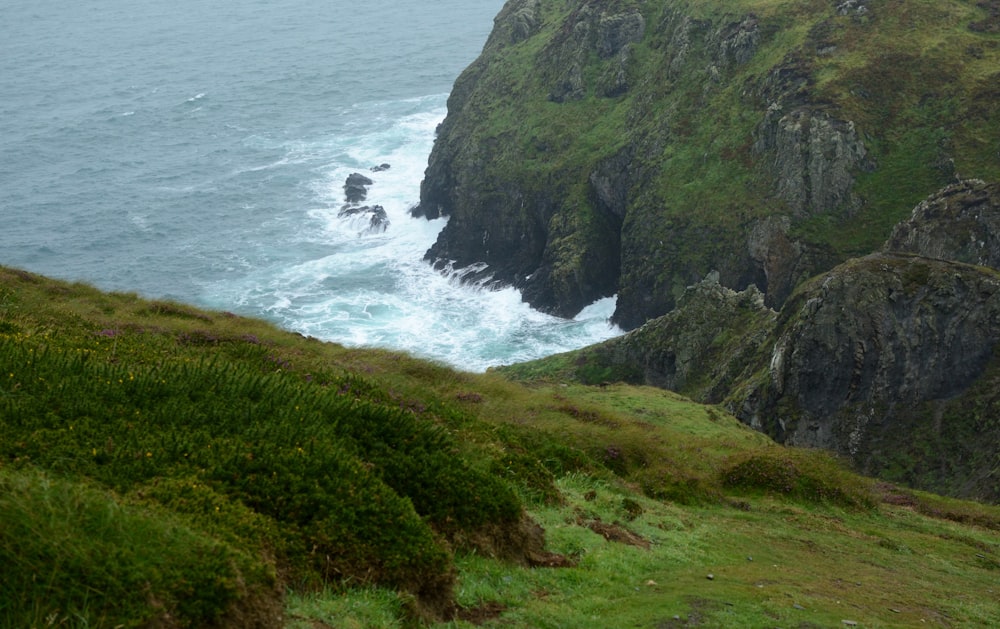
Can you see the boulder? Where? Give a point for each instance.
(378, 221)
(356, 188)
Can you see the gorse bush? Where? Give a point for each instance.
(811, 476)
(74, 555)
(356, 488)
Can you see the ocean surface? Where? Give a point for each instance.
(197, 151)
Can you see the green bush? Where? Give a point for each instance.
(73, 554)
(336, 485)
(808, 475)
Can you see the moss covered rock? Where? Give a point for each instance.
(960, 222)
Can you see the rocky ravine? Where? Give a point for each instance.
(634, 147)
(892, 360)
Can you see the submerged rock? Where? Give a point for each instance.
(378, 220)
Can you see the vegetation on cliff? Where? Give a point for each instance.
(163, 466)
(889, 360)
(635, 147)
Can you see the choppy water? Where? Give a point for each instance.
(197, 151)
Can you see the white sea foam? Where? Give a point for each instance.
(365, 289)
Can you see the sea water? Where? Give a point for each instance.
(197, 151)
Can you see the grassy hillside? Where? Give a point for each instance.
(169, 467)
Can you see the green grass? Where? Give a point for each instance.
(772, 564)
(200, 464)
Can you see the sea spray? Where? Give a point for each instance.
(362, 288)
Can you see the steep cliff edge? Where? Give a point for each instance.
(636, 147)
(892, 360)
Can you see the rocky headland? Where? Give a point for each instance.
(889, 359)
(634, 147)
(744, 176)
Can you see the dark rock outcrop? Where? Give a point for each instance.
(700, 348)
(378, 221)
(891, 360)
(814, 157)
(595, 28)
(876, 360)
(356, 188)
(961, 223)
(356, 191)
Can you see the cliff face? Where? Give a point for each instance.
(886, 360)
(603, 146)
(891, 360)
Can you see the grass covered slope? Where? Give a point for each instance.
(321, 470)
(77, 556)
(166, 466)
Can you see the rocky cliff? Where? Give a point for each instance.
(636, 146)
(892, 360)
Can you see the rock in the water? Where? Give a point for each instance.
(380, 168)
(356, 187)
(378, 220)
(355, 191)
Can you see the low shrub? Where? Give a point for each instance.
(808, 475)
(75, 554)
(335, 486)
